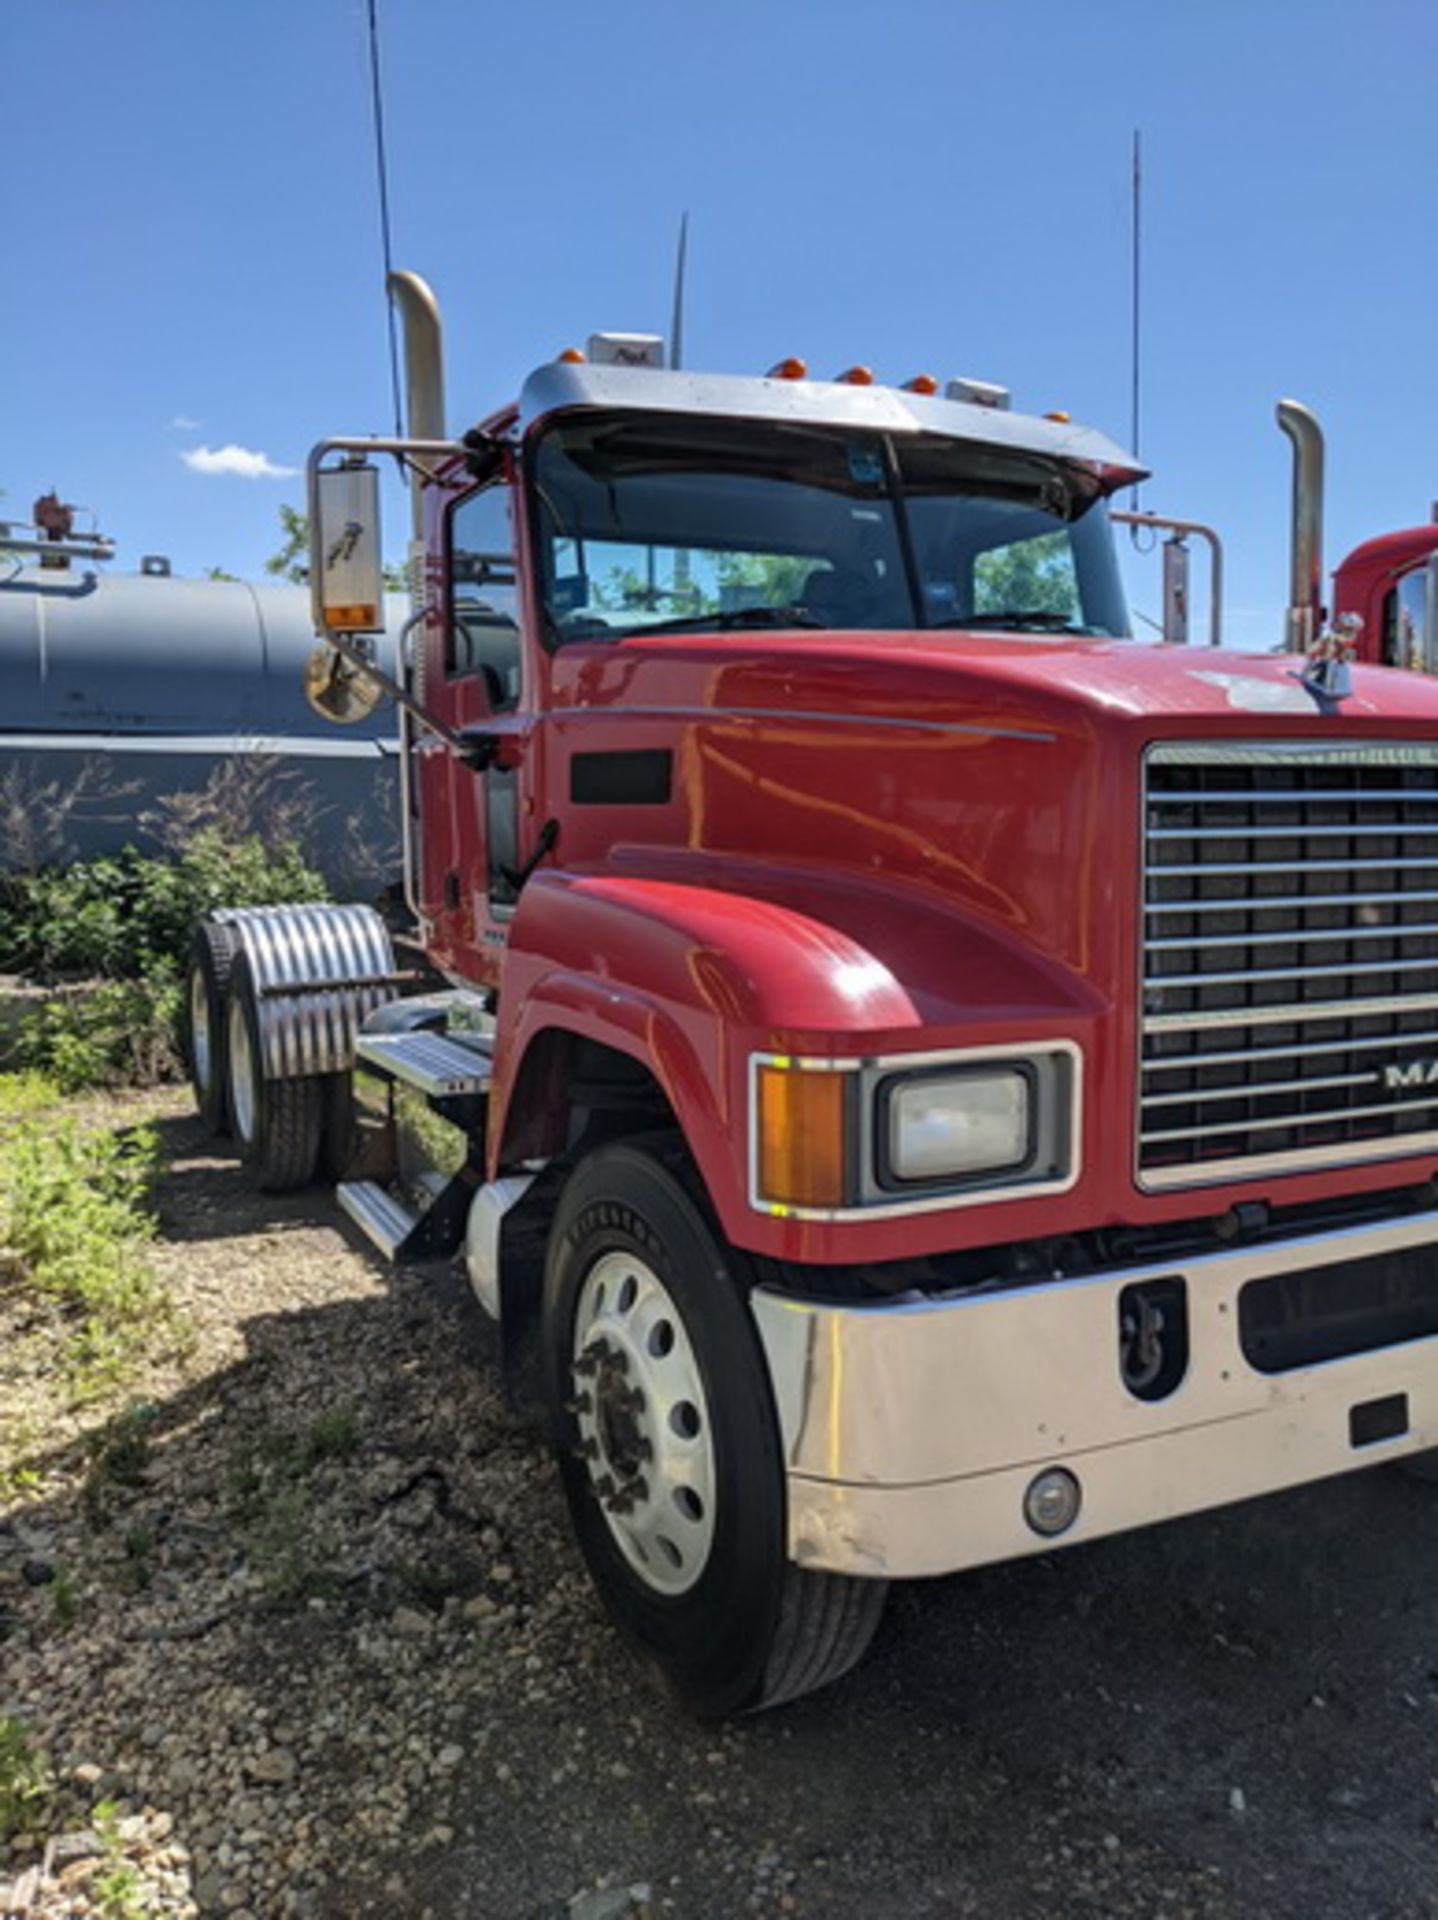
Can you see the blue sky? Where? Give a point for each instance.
(192, 233)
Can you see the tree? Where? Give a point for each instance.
(1030, 576)
(289, 562)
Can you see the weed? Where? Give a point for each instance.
(332, 1435)
(116, 1891)
(139, 1545)
(25, 1780)
(26, 1093)
(64, 1598)
(271, 1502)
(74, 1222)
(119, 1455)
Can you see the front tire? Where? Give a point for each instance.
(669, 1451)
(276, 1123)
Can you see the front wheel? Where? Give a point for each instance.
(669, 1449)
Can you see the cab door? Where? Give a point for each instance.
(471, 844)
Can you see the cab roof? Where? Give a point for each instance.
(566, 386)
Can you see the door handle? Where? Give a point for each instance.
(481, 748)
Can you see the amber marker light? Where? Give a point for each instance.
(791, 369)
(352, 619)
(573, 357)
(802, 1136)
(1059, 415)
(921, 383)
(856, 377)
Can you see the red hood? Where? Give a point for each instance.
(920, 676)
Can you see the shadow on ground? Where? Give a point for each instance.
(323, 1611)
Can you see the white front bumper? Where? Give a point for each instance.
(911, 1429)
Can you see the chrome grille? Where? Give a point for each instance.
(1290, 958)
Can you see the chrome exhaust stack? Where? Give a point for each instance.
(1305, 592)
(423, 373)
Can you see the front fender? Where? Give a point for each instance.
(692, 979)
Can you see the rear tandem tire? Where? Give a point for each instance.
(668, 1448)
(213, 947)
(276, 1123)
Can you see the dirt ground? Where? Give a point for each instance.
(324, 1638)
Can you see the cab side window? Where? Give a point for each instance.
(484, 595)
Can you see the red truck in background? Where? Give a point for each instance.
(918, 1078)
(1391, 585)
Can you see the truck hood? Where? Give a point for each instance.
(926, 676)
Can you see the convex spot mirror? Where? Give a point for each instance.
(346, 571)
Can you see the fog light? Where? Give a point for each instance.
(1052, 1502)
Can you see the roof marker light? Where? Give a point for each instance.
(791, 369)
(572, 357)
(1059, 415)
(921, 383)
(855, 377)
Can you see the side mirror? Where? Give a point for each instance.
(346, 570)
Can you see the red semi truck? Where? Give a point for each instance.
(918, 1078)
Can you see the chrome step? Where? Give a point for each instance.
(377, 1213)
(426, 1060)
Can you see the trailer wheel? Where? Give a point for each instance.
(207, 981)
(276, 1123)
(668, 1448)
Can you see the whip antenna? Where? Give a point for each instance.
(382, 174)
(1136, 313)
(676, 329)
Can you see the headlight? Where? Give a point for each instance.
(976, 1121)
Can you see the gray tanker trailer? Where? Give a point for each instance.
(123, 697)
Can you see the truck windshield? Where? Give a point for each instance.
(654, 522)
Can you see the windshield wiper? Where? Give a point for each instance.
(1018, 620)
(722, 621)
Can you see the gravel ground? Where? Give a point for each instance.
(315, 1623)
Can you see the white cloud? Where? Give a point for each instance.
(182, 423)
(241, 460)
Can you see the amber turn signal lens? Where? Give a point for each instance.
(353, 619)
(791, 369)
(801, 1121)
(573, 357)
(856, 377)
(921, 383)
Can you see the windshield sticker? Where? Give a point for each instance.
(866, 469)
(1252, 695)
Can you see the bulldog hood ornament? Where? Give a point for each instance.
(1327, 676)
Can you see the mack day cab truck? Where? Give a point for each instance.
(931, 1080)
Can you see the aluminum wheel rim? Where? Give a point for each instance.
(643, 1419)
(200, 1043)
(242, 1073)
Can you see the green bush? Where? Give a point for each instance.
(123, 915)
(127, 919)
(121, 1033)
